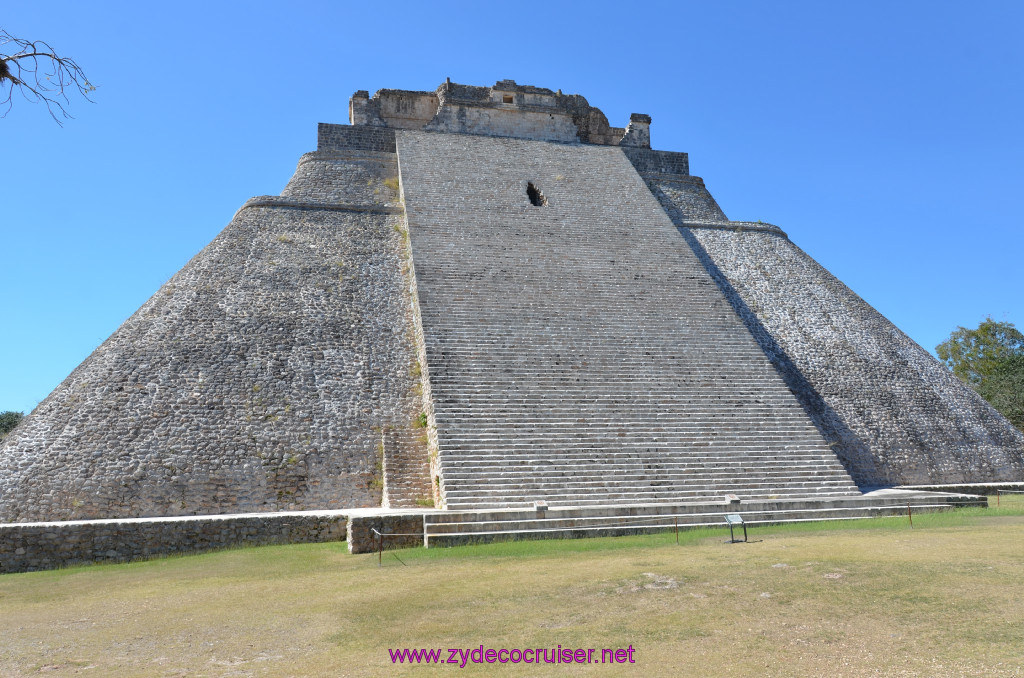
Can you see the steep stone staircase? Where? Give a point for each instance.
(405, 471)
(578, 351)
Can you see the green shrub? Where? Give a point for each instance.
(8, 420)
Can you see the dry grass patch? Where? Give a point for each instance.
(944, 599)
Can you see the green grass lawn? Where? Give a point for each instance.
(863, 598)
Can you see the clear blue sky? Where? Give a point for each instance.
(885, 137)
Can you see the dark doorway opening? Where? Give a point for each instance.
(537, 198)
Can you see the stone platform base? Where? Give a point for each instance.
(41, 546)
(450, 528)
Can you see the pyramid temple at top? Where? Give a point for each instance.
(484, 297)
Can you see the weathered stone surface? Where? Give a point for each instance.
(43, 546)
(258, 378)
(402, 530)
(606, 336)
(892, 412)
(579, 352)
(505, 110)
(682, 196)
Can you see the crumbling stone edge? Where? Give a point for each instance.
(292, 203)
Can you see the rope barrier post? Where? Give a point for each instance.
(677, 530)
(910, 516)
(998, 494)
(380, 551)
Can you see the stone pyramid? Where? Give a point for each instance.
(485, 297)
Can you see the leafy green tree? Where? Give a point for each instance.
(990, 359)
(1004, 389)
(8, 420)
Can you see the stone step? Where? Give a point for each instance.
(648, 452)
(651, 477)
(535, 436)
(463, 527)
(685, 412)
(639, 527)
(405, 469)
(653, 447)
(717, 506)
(572, 341)
(614, 458)
(639, 468)
(578, 496)
(638, 471)
(658, 520)
(652, 452)
(568, 481)
(612, 497)
(552, 487)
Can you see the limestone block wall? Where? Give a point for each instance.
(550, 125)
(892, 412)
(258, 378)
(406, 110)
(507, 109)
(683, 196)
(347, 138)
(400, 530)
(43, 546)
(647, 161)
(638, 133)
(350, 177)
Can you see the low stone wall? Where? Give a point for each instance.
(649, 161)
(987, 489)
(25, 547)
(407, 529)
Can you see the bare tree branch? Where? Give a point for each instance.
(34, 69)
